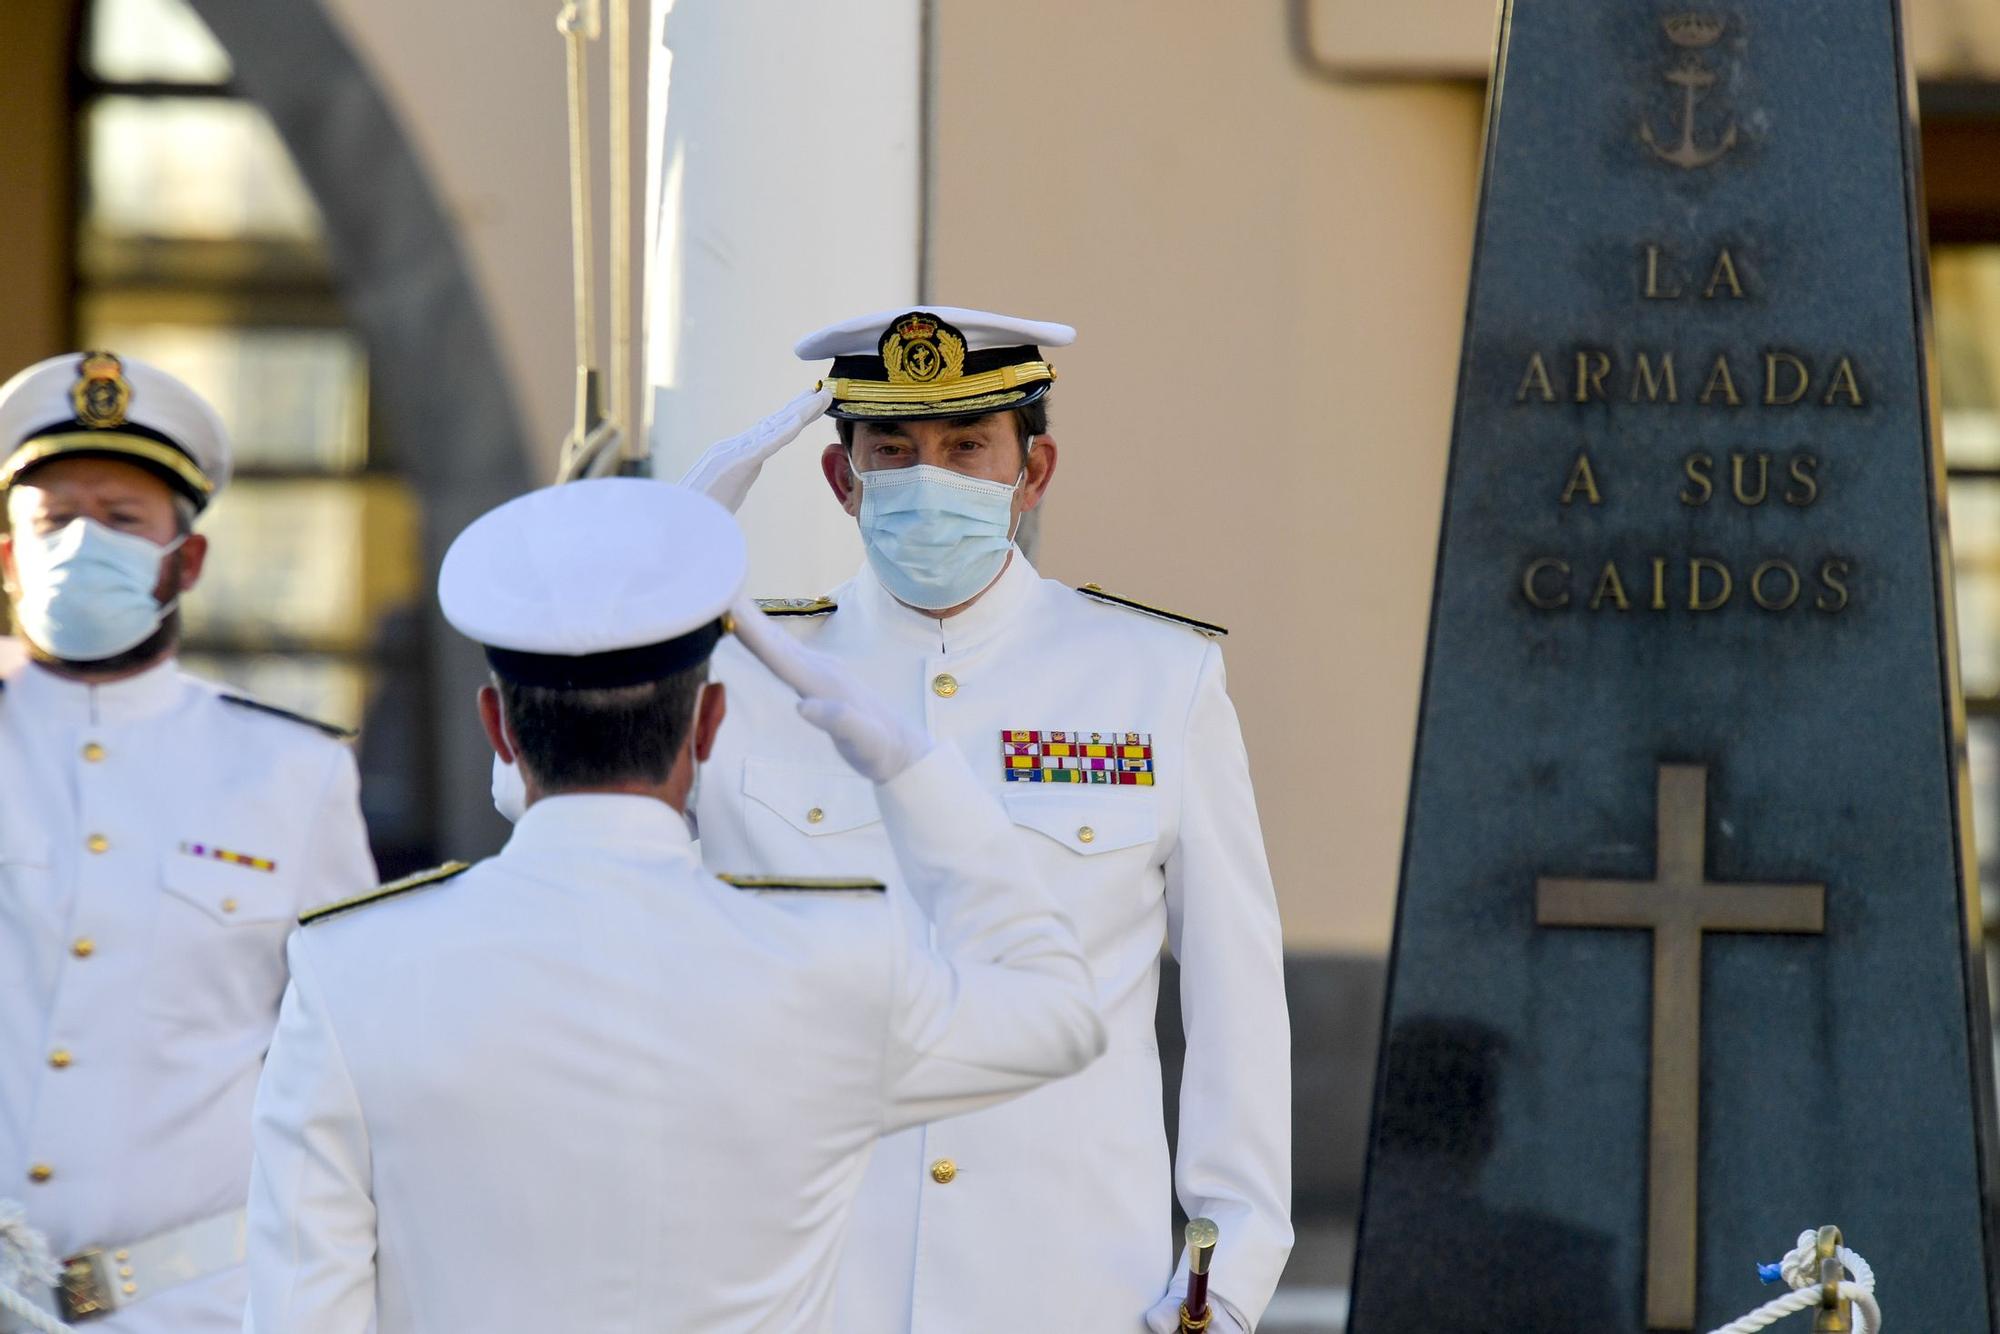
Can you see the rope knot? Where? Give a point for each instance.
(24, 1253)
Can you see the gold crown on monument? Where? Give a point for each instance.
(1692, 30)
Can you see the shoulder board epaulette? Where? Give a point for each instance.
(798, 606)
(1208, 628)
(334, 730)
(436, 875)
(807, 884)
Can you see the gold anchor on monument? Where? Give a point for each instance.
(1690, 32)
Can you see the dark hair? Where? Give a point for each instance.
(1030, 421)
(573, 739)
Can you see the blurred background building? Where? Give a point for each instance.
(346, 221)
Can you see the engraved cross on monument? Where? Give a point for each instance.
(1677, 906)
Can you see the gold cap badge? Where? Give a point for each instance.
(922, 349)
(101, 394)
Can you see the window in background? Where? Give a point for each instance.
(200, 249)
(1965, 284)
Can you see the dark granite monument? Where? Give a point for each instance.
(1683, 960)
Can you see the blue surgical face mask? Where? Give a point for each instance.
(87, 590)
(935, 538)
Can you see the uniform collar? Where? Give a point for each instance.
(615, 822)
(994, 610)
(46, 697)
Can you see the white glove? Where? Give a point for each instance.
(1165, 1317)
(726, 471)
(869, 736)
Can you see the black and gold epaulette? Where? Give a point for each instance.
(334, 730)
(436, 875)
(798, 606)
(804, 884)
(1208, 628)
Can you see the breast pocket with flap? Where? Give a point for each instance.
(814, 801)
(219, 939)
(1087, 826)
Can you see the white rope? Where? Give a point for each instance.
(1799, 1268)
(25, 1260)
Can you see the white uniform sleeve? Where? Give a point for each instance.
(312, 1219)
(1001, 1001)
(1234, 1157)
(338, 862)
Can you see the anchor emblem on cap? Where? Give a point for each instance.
(920, 348)
(1690, 32)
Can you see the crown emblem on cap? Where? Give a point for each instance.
(101, 394)
(920, 348)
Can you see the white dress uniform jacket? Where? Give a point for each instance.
(1064, 1194)
(587, 1086)
(157, 843)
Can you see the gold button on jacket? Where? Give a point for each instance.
(943, 1171)
(944, 685)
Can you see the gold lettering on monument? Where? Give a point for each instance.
(1649, 376)
(1652, 291)
(1537, 379)
(1582, 481)
(1678, 905)
(1725, 273)
(1691, 33)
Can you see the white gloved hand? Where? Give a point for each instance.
(1165, 1317)
(869, 736)
(726, 471)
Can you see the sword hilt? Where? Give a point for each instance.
(1201, 1236)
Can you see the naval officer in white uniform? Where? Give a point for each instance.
(1106, 730)
(586, 1085)
(158, 839)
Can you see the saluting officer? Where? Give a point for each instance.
(1105, 728)
(585, 1085)
(158, 839)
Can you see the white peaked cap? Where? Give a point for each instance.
(983, 330)
(102, 405)
(612, 581)
(934, 362)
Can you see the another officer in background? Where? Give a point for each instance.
(158, 839)
(585, 1085)
(1106, 729)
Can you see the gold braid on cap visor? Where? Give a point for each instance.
(45, 447)
(966, 386)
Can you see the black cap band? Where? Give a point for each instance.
(606, 671)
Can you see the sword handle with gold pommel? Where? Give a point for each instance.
(1201, 1236)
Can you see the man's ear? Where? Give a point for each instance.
(493, 722)
(708, 718)
(1040, 469)
(8, 579)
(838, 466)
(189, 562)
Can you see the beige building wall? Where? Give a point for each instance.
(1267, 274)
